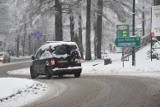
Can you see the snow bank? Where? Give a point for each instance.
(18, 92)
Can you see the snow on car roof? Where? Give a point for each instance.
(55, 43)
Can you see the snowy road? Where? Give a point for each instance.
(4, 68)
(103, 91)
(96, 91)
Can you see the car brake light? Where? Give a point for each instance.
(79, 61)
(52, 62)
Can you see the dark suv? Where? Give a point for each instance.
(56, 58)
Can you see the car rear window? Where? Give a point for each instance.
(57, 51)
(61, 50)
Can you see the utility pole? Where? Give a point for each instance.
(17, 51)
(29, 44)
(133, 34)
(156, 2)
(143, 22)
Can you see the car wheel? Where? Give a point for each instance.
(8, 60)
(47, 73)
(4, 61)
(77, 75)
(32, 73)
(60, 76)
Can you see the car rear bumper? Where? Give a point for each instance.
(69, 70)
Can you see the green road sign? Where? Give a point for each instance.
(122, 31)
(128, 42)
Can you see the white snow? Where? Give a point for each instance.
(144, 68)
(48, 50)
(15, 92)
(13, 88)
(53, 44)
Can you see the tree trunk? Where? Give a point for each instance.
(72, 26)
(95, 35)
(29, 44)
(156, 2)
(58, 21)
(88, 21)
(24, 37)
(24, 41)
(95, 40)
(80, 34)
(99, 28)
(17, 50)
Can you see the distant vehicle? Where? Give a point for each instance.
(56, 58)
(4, 57)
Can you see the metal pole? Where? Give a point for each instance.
(17, 51)
(143, 22)
(151, 48)
(151, 35)
(123, 55)
(133, 34)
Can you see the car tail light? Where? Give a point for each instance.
(79, 61)
(53, 62)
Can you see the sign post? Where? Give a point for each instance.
(121, 33)
(123, 40)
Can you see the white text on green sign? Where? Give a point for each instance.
(122, 30)
(128, 42)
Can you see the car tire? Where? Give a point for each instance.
(47, 73)
(32, 73)
(4, 61)
(77, 75)
(60, 76)
(8, 60)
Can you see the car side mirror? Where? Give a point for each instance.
(33, 58)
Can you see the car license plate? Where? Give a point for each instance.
(63, 61)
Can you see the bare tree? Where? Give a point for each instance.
(99, 27)
(73, 9)
(103, 9)
(156, 2)
(72, 26)
(80, 32)
(58, 21)
(4, 23)
(88, 30)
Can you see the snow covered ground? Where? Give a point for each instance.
(144, 67)
(17, 92)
